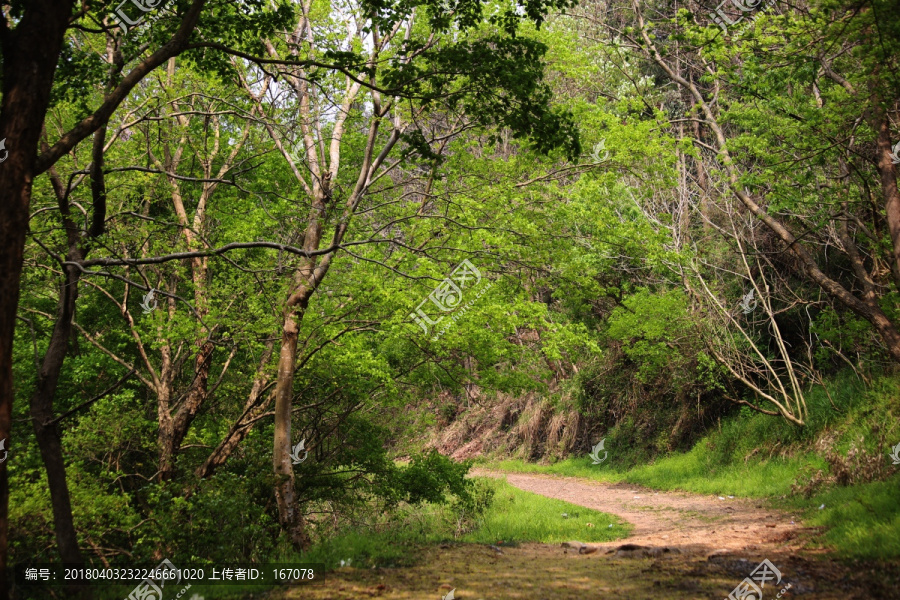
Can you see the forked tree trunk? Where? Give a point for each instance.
(306, 280)
(172, 430)
(42, 411)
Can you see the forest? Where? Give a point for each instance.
(410, 294)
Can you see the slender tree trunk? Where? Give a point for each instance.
(253, 409)
(42, 415)
(166, 434)
(232, 440)
(42, 411)
(889, 191)
(288, 512)
(199, 389)
(306, 280)
(30, 55)
(702, 182)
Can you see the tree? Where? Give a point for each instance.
(32, 40)
(883, 97)
(392, 52)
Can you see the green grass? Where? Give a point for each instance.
(518, 516)
(758, 456)
(861, 521)
(514, 517)
(695, 471)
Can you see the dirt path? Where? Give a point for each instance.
(691, 522)
(683, 546)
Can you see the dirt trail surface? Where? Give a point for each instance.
(691, 522)
(682, 546)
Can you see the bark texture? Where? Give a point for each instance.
(30, 56)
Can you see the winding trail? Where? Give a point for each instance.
(683, 546)
(693, 523)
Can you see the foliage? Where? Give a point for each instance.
(540, 142)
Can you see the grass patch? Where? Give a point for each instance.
(518, 516)
(861, 521)
(513, 517)
(698, 470)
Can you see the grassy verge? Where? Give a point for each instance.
(694, 471)
(514, 517)
(829, 462)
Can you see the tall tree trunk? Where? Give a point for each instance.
(30, 55)
(306, 280)
(288, 512)
(702, 181)
(42, 412)
(199, 389)
(42, 415)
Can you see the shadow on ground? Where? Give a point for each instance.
(544, 572)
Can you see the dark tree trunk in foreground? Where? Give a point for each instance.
(30, 55)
